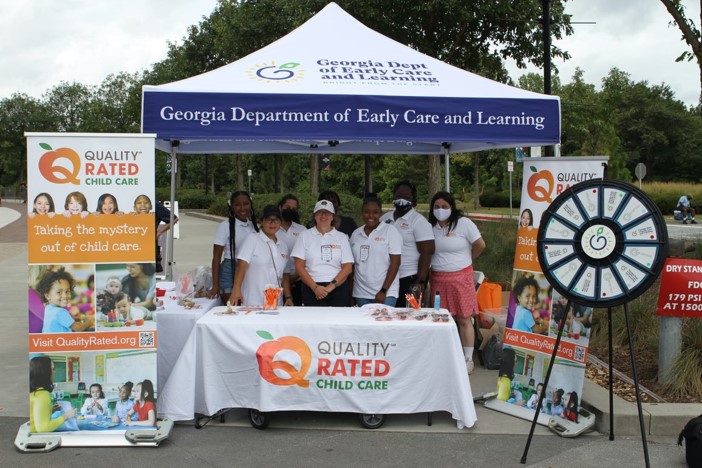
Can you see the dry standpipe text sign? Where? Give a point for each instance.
(681, 288)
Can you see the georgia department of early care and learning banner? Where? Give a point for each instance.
(535, 309)
(91, 240)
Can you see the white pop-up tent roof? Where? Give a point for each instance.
(335, 86)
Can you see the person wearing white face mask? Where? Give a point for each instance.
(458, 243)
(417, 239)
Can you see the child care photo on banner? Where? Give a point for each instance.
(92, 391)
(125, 296)
(578, 320)
(521, 378)
(60, 298)
(530, 309)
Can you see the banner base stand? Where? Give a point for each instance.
(28, 442)
(567, 428)
(521, 412)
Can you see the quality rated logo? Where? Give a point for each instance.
(272, 73)
(540, 185)
(284, 355)
(59, 166)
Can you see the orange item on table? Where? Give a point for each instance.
(270, 296)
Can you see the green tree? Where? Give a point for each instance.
(69, 105)
(19, 113)
(690, 34)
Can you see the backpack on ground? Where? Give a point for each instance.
(492, 353)
(692, 433)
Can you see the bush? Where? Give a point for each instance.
(494, 199)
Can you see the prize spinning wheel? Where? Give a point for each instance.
(602, 243)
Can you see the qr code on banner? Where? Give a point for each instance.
(579, 355)
(146, 339)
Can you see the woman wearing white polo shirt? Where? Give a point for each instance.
(229, 236)
(458, 243)
(376, 251)
(261, 261)
(323, 260)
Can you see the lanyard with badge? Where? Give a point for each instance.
(326, 253)
(364, 251)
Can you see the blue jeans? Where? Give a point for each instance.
(389, 300)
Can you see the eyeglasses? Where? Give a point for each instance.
(323, 213)
(271, 220)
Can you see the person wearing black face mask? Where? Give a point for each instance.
(288, 233)
(417, 239)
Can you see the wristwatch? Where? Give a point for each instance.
(383, 290)
(333, 282)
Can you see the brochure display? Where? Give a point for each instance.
(602, 243)
(92, 316)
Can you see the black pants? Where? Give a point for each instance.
(339, 297)
(297, 292)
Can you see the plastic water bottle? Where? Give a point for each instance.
(437, 301)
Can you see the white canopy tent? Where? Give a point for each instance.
(335, 86)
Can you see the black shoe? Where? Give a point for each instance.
(159, 268)
(693, 222)
(684, 221)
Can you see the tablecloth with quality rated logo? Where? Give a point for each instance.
(319, 359)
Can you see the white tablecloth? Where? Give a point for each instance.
(318, 359)
(174, 324)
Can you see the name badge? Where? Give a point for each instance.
(365, 250)
(326, 253)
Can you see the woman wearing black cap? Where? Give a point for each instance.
(261, 262)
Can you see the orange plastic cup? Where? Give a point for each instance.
(271, 296)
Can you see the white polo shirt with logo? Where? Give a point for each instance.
(414, 228)
(241, 230)
(289, 237)
(453, 250)
(371, 255)
(267, 261)
(323, 253)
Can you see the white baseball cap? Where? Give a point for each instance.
(324, 205)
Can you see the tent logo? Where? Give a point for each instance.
(60, 166)
(540, 185)
(286, 72)
(283, 348)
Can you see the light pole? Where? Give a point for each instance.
(249, 172)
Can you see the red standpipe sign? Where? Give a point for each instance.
(681, 288)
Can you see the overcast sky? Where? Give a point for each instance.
(44, 42)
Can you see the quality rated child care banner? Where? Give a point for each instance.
(535, 310)
(91, 237)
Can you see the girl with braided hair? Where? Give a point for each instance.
(229, 236)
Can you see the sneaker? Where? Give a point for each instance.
(684, 221)
(693, 222)
(470, 367)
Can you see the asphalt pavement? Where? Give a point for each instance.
(295, 439)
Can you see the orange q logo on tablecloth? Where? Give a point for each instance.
(267, 364)
(64, 173)
(540, 185)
